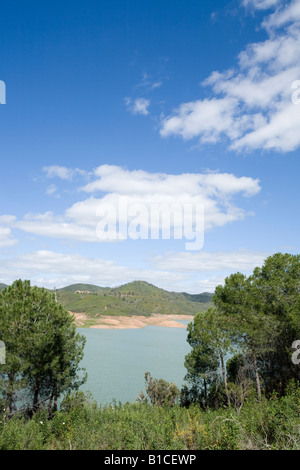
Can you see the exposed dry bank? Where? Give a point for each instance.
(126, 322)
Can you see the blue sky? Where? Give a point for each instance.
(156, 102)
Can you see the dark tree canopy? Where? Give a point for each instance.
(259, 316)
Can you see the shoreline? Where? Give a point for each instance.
(82, 320)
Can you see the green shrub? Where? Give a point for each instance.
(81, 424)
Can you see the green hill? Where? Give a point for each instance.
(134, 298)
(90, 288)
(2, 286)
(139, 288)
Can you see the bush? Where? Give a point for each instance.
(159, 392)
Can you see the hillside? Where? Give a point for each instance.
(84, 287)
(134, 298)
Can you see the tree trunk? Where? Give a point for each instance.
(50, 407)
(258, 387)
(205, 394)
(225, 378)
(10, 394)
(36, 394)
(55, 395)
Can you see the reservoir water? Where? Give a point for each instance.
(116, 360)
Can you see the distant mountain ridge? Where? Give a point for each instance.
(133, 298)
(83, 287)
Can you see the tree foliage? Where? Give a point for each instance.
(258, 316)
(43, 350)
(210, 342)
(159, 392)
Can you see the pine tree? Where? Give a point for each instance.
(42, 347)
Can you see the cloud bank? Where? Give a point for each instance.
(215, 192)
(251, 104)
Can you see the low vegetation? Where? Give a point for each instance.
(82, 424)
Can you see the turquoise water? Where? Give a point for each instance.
(116, 360)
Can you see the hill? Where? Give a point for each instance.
(88, 288)
(134, 298)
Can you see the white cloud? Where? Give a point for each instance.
(148, 83)
(58, 171)
(62, 172)
(6, 238)
(207, 285)
(138, 106)
(115, 179)
(242, 261)
(47, 268)
(144, 192)
(282, 132)
(206, 119)
(252, 104)
(50, 225)
(7, 219)
(52, 191)
(283, 16)
(261, 4)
